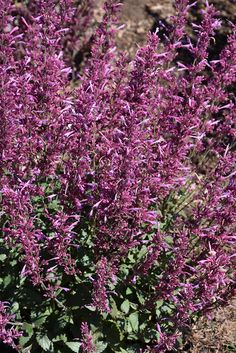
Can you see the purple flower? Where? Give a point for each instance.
(8, 334)
(135, 152)
(87, 340)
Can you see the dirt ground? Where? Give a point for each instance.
(139, 17)
(217, 335)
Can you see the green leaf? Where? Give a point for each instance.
(24, 339)
(132, 349)
(74, 346)
(96, 332)
(133, 320)
(159, 303)
(27, 334)
(128, 327)
(53, 205)
(131, 258)
(27, 349)
(151, 334)
(60, 338)
(44, 342)
(142, 252)
(167, 309)
(112, 332)
(90, 307)
(129, 291)
(3, 257)
(41, 320)
(27, 327)
(15, 308)
(100, 347)
(7, 280)
(134, 306)
(180, 340)
(140, 297)
(125, 306)
(124, 271)
(114, 310)
(169, 240)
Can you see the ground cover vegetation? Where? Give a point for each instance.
(117, 180)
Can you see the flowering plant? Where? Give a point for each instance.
(118, 188)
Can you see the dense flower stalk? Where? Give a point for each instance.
(87, 342)
(32, 105)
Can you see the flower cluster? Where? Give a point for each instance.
(87, 343)
(8, 334)
(136, 154)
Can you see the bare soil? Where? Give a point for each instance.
(217, 335)
(141, 16)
